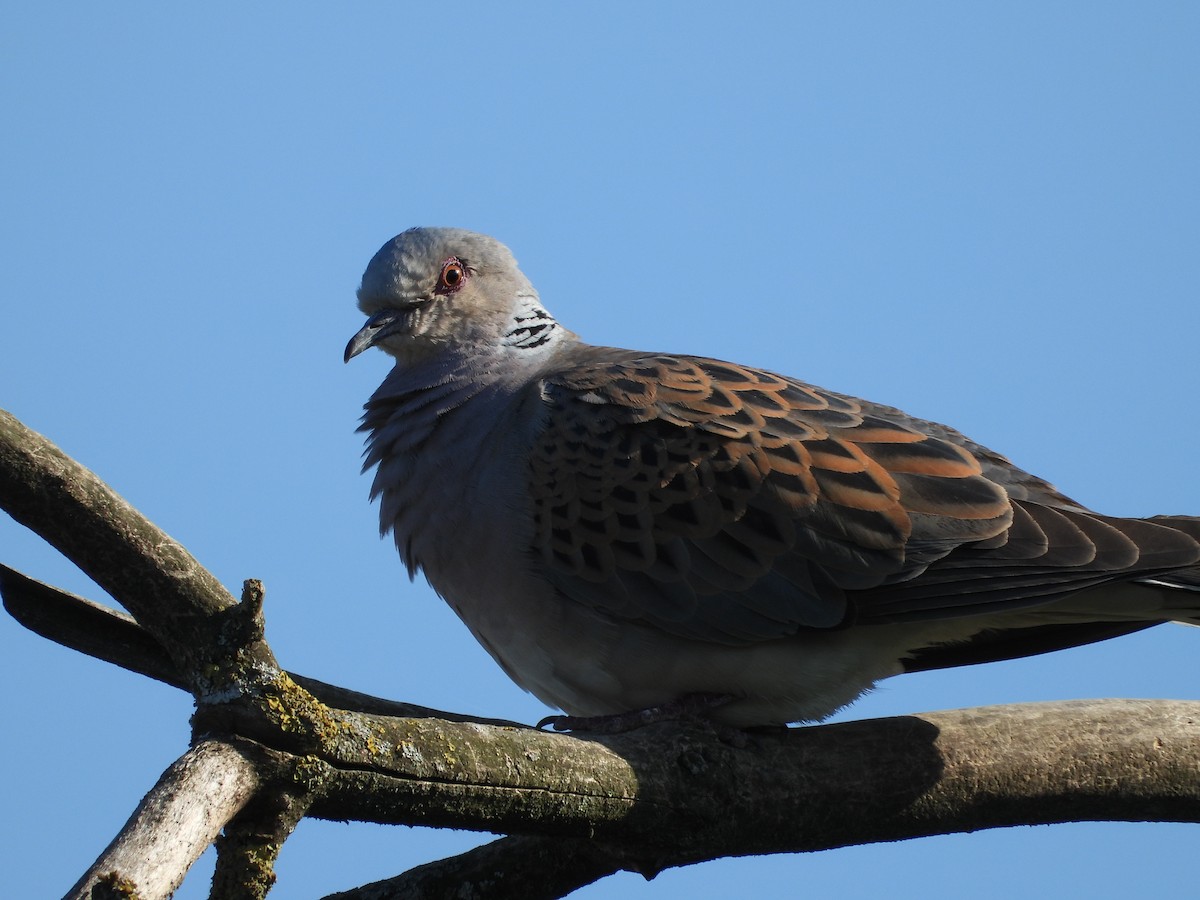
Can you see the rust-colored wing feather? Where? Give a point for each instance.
(726, 503)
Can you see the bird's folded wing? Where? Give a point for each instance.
(725, 503)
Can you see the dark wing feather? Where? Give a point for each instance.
(731, 504)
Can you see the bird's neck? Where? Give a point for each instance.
(420, 395)
(531, 329)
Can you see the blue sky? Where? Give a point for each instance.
(984, 214)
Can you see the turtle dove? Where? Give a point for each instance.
(624, 530)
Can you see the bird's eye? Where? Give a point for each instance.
(454, 273)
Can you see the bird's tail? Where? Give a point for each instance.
(1183, 584)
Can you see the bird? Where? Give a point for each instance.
(628, 532)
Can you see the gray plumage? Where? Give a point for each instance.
(622, 529)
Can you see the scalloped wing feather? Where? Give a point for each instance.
(726, 503)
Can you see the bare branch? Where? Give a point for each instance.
(88, 627)
(169, 593)
(130, 557)
(671, 796)
(522, 868)
(247, 850)
(115, 637)
(830, 786)
(174, 823)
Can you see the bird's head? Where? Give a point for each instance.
(432, 289)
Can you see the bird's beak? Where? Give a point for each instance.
(377, 327)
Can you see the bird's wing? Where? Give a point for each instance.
(730, 504)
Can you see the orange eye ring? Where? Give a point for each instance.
(454, 273)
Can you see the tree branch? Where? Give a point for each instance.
(247, 850)
(168, 592)
(115, 637)
(47, 491)
(830, 786)
(523, 868)
(173, 825)
(680, 795)
(86, 626)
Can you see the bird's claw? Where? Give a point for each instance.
(687, 706)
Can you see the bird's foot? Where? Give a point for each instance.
(687, 706)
